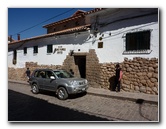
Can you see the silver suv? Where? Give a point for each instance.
(59, 81)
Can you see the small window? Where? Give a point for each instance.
(138, 41)
(49, 48)
(65, 26)
(54, 29)
(77, 23)
(100, 44)
(25, 50)
(35, 49)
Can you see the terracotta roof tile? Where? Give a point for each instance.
(94, 10)
(64, 20)
(74, 17)
(74, 29)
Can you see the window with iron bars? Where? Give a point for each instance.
(138, 41)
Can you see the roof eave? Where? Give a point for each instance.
(63, 21)
(67, 31)
(73, 17)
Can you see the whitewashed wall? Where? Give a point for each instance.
(119, 23)
(69, 42)
(113, 45)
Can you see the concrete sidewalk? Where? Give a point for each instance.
(118, 95)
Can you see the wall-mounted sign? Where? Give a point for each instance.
(59, 50)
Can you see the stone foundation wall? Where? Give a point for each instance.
(69, 63)
(139, 74)
(93, 69)
(107, 76)
(19, 73)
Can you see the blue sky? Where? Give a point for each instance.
(20, 19)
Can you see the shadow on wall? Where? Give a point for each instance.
(119, 21)
(111, 83)
(77, 39)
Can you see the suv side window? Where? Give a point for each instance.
(49, 74)
(41, 74)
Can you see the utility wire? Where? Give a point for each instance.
(44, 21)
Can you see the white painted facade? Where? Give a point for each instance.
(113, 37)
(69, 42)
(114, 46)
(120, 22)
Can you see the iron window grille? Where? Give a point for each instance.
(137, 42)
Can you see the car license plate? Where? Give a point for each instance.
(81, 83)
(83, 89)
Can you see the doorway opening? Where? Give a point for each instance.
(80, 61)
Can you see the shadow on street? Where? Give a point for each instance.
(71, 96)
(22, 107)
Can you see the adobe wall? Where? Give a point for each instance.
(139, 74)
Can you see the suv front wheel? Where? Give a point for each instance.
(62, 93)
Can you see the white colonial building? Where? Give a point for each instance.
(92, 42)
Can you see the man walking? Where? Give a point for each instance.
(118, 77)
(28, 73)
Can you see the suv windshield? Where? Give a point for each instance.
(63, 74)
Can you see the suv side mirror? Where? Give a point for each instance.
(52, 77)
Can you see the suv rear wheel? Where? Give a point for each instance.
(62, 93)
(35, 89)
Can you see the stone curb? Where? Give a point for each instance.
(125, 98)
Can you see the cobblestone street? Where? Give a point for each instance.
(103, 108)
